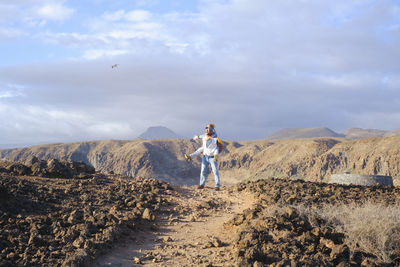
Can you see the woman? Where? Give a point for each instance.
(210, 152)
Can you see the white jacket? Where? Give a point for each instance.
(209, 148)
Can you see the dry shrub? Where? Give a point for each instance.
(370, 227)
(275, 210)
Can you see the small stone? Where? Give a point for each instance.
(217, 242)
(79, 242)
(327, 243)
(289, 212)
(113, 210)
(311, 248)
(208, 245)
(147, 215)
(367, 262)
(136, 260)
(167, 239)
(316, 231)
(11, 255)
(157, 258)
(342, 264)
(339, 251)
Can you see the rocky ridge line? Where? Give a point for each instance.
(309, 159)
(48, 168)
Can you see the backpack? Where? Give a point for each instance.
(220, 145)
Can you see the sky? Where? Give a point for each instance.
(252, 67)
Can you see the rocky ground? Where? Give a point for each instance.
(265, 223)
(190, 231)
(52, 168)
(286, 226)
(69, 222)
(108, 220)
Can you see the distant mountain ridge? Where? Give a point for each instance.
(357, 133)
(159, 132)
(313, 159)
(352, 133)
(392, 133)
(162, 159)
(295, 133)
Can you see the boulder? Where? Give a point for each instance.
(57, 169)
(360, 179)
(19, 169)
(148, 215)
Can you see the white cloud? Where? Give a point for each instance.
(141, 30)
(347, 81)
(72, 39)
(260, 65)
(178, 47)
(392, 81)
(117, 38)
(10, 33)
(11, 90)
(26, 18)
(7, 12)
(108, 129)
(35, 121)
(114, 16)
(95, 54)
(147, 3)
(55, 12)
(7, 94)
(134, 15)
(138, 15)
(33, 22)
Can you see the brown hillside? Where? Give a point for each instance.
(313, 159)
(393, 133)
(285, 158)
(316, 159)
(295, 133)
(358, 133)
(157, 158)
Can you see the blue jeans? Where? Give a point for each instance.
(203, 174)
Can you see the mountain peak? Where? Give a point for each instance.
(159, 132)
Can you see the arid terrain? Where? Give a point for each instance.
(312, 159)
(60, 221)
(118, 221)
(90, 206)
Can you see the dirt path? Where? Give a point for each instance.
(189, 232)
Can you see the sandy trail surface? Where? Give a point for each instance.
(189, 231)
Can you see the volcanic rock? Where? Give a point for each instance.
(43, 223)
